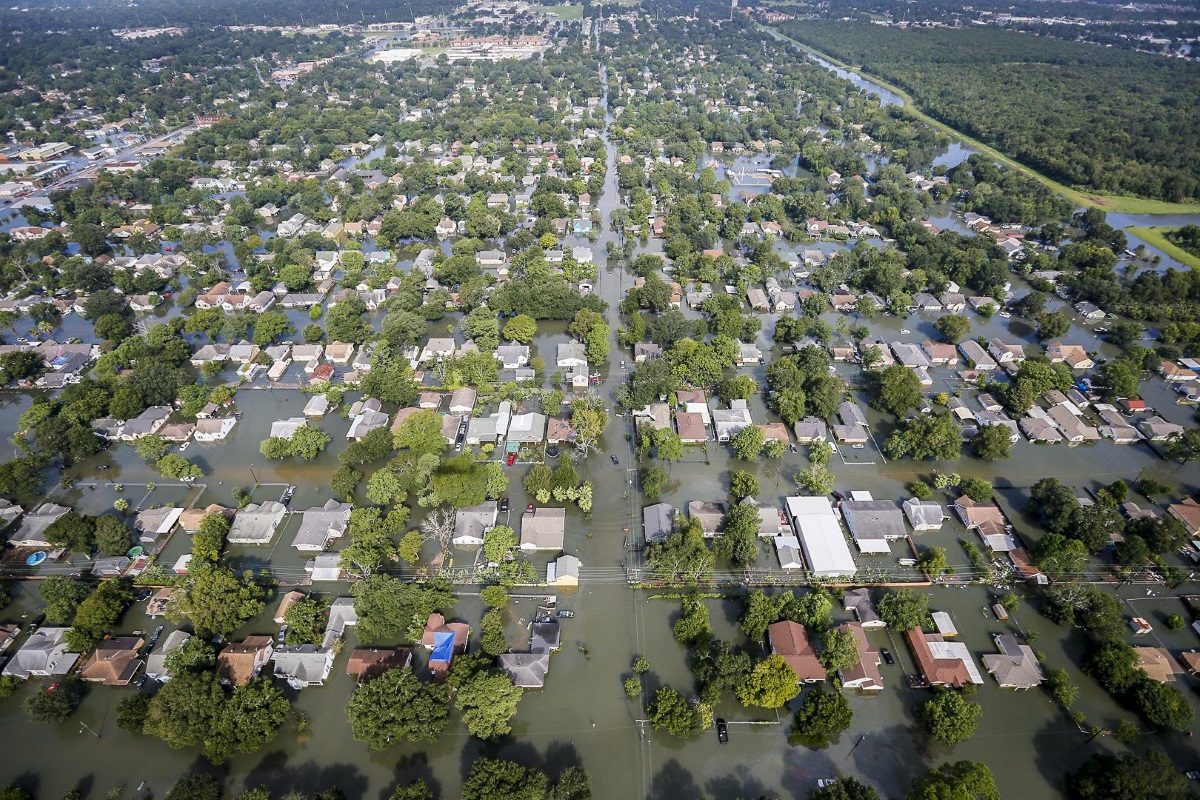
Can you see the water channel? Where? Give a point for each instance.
(582, 716)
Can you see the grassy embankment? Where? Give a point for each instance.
(1156, 237)
(1104, 202)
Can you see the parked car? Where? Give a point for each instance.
(722, 731)
(512, 459)
(529, 508)
(504, 504)
(887, 656)
(614, 460)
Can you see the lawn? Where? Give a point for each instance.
(1104, 202)
(1157, 237)
(564, 12)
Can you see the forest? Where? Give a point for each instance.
(1104, 120)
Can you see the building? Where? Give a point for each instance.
(790, 640)
(526, 670)
(366, 663)
(658, 521)
(32, 532)
(156, 662)
(865, 674)
(154, 523)
(319, 525)
(303, 665)
(711, 516)
(444, 641)
(859, 601)
(470, 524)
(924, 515)
(256, 523)
(240, 663)
(729, 422)
(1187, 512)
(811, 430)
(43, 654)
(543, 529)
(821, 538)
(1016, 666)
(114, 662)
(563, 572)
(942, 663)
(873, 524)
(691, 427)
(1157, 663)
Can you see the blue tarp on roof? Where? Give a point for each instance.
(443, 646)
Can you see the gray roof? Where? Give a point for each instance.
(527, 670)
(32, 532)
(659, 521)
(1016, 665)
(473, 522)
(545, 637)
(319, 525)
(342, 615)
(710, 515)
(44, 653)
(156, 662)
(859, 601)
(543, 529)
(303, 665)
(256, 523)
(874, 519)
(924, 513)
(851, 415)
(564, 566)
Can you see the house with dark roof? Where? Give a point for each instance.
(370, 662)
(864, 674)
(1015, 666)
(240, 663)
(790, 640)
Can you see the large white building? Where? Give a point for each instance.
(821, 537)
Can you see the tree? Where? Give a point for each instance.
(521, 328)
(195, 787)
(491, 633)
(247, 721)
(186, 707)
(216, 600)
(112, 535)
(1128, 776)
(839, 650)
(670, 711)
(747, 443)
(305, 620)
(933, 436)
(739, 543)
(98, 614)
(421, 433)
(270, 326)
(1164, 706)
(821, 715)
(992, 443)
(308, 442)
(498, 542)
(1120, 379)
(573, 784)
(693, 624)
(589, 419)
(494, 596)
(742, 484)
(176, 466)
(488, 701)
(131, 712)
(151, 448)
(590, 328)
(72, 531)
(54, 703)
(1058, 683)
(209, 539)
(897, 389)
(1057, 555)
(770, 684)
(978, 490)
(953, 327)
(1186, 447)
(683, 558)
(903, 610)
(62, 595)
(344, 481)
(417, 790)
(396, 707)
(815, 480)
(494, 779)
(739, 387)
(375, 445)
(758, 612)
(933, 561)
(962, 780)
(653, 481)
(949, 718)
(387, 606)
(844, 789)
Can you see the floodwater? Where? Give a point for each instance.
(582, 716)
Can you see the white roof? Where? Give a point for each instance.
(943, 623)
(821, 536)
(957, 651)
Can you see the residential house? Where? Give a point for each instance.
(729, 422)
(470, 524)
(864, 674)
(748, 354)
(32, 531)
(873, 524)
(1016, 666)
(1174, 373)
(939, 354)
(543, 529)
(1005, 352)
(1089, 310)
(43, 654)
(114, 662)
(1187, 512)
(462, 401)
(303, 665)
(851, 415)
(811, 430)
(512, 356)
(1158, 429)
(156, 662)
(691, 427)
(790, 640)
(214, 430)
(325, 568)
(924, 515)
(146, 423)
(256, 523)
(444, 640)
(154, 523)
(1157, 663)
(366, 663)
(319, 525)
(859, 601)
(658, 522)
(1072, 355)
(711, 516)
(563, 572)
(758, 299)
(646, 351)
(977, 356)
(365, 416)
(942, 663)
(240, 663)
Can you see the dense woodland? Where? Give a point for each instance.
(1101, 119)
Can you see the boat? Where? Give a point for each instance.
(564, 614)
(184, 446)
(287, 495)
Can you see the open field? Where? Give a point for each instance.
(1157, 237)
(564, 12)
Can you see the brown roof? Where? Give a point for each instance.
(690, 396)
(558, 429)
(402, 416)
(691, 427)
(367, 663)
(1190, 660)
(937, 671)
(157, 604)
(236, 663)
(1188, 512)
(1156, 663)
(114, 662)
(774, 431)
(790, 640)
(285, 603)
(191, 519)
(437, 623)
